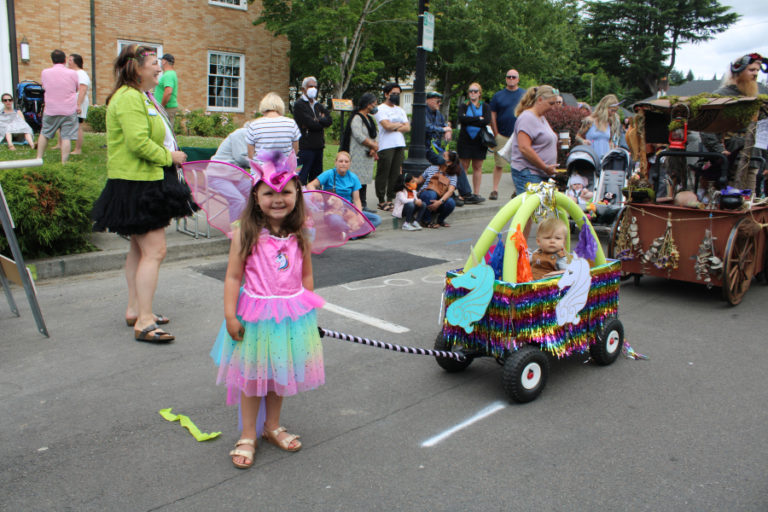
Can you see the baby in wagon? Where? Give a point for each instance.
(549, 258)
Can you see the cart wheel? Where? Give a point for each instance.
(740, 259)
(446, 363)
(607, 346)
(637, 278)
(525, 374)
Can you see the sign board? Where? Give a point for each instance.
(428, 40)
(343, 105)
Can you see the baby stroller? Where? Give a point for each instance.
(615, 168)
(29, 98)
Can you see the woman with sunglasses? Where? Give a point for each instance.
(474, 116)
(534, 148)
(602, 128)
(12, 122)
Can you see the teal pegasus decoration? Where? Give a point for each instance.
(471, 308)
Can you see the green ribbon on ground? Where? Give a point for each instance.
(188, 424)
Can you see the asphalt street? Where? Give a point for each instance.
(684, 430)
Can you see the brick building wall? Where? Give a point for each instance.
(188, 29)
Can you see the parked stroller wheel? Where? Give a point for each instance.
(447, 364)
(607, 346)
(525, 374)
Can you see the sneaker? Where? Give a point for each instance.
(407, 226)
(416, 224)
(474, 199)
(459, 201)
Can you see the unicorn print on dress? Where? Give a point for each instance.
(282, 261)
(471, 308)
(576, 276)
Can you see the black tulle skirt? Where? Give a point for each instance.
(136, 207)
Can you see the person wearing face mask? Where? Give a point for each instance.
(360, 138)
(393, 123)
(313, 118)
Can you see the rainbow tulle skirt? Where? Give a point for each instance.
(285, 357)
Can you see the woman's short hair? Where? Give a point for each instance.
(365, 100)
(391, 85)
(7, 94)
(342, 152)
(78, 59)
(272, 103)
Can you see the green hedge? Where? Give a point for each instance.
(51, 208)
(97, 118)
(207, 124)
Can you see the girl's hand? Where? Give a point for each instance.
(235, 329)
(178, 157)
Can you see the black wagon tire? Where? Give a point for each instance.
(446, 363)
(607, 347)
(525, 374)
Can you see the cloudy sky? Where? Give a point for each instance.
(746, 36)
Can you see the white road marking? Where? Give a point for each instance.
(491, 409)
(366, 319)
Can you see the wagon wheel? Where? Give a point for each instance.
(740, 259)
(447, 364)
(612, 243)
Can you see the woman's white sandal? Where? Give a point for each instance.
(248, 455)
(285, 444)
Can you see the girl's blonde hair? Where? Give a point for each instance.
(342, 152)
(253, 220)
(272, 103)
(532, 95)
(602, 116)
(551, 225)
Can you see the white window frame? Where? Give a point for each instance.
(243, 4)
(125, 42)
(241, 86)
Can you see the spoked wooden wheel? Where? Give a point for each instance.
(740, 261)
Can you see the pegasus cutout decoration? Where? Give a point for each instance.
(576, 276)
(471, 308)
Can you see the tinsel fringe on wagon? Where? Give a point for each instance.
(524, 313)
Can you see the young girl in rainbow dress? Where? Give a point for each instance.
(269, 346)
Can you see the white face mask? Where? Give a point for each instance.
(312, 92)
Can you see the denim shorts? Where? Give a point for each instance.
(523, 177)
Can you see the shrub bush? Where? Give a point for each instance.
(564, 119)
(208, 124)
(51, 209)
(97, 118)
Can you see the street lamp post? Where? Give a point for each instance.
(416, 161)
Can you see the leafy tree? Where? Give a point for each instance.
(479, 41)
(336, 40)
(634, 39)
(689, 77)
(676, 77)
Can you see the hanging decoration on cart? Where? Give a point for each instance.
(628, 239)
(663, 253)
(707, 263)
(576, 276)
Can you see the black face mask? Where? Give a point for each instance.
(394, 98)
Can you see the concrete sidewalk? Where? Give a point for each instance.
(113, 248)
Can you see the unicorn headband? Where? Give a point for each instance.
(274, 169)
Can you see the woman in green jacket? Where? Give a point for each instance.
(143, 192)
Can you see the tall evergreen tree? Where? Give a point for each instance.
(638, 39)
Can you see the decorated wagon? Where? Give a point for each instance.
(518, 323)
(718, 239)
